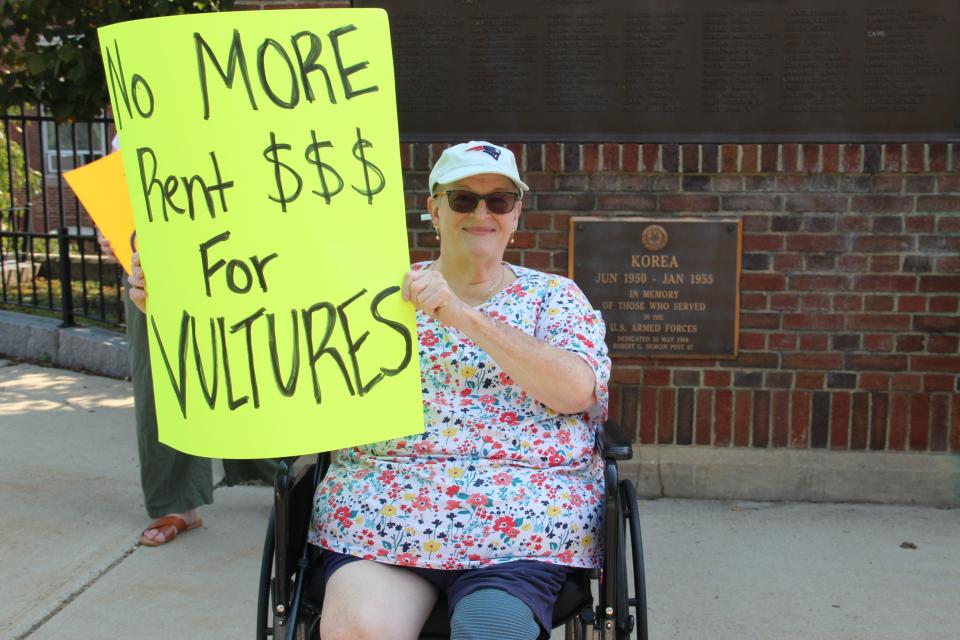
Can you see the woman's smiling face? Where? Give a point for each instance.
(478, 234)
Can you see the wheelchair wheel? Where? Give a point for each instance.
(630, 521)
(265, 594)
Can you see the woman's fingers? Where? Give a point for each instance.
(138, 284)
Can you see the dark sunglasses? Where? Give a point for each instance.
(498, 202)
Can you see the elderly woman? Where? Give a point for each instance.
(501, 495)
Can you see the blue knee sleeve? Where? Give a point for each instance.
(492, 614)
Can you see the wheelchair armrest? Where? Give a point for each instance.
(614, 444)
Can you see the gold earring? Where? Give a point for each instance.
(436, 231)
(511, 238)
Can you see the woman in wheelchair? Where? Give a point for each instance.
(503, 492)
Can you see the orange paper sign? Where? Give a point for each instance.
(102, 188)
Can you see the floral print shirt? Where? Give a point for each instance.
(496, 475)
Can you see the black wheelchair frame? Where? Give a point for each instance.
(294, 602)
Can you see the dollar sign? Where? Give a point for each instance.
(367, 167)
(322, 167)
(270, 153)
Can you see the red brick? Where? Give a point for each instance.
(666, 414)
(861, 362)
(749, 159)
(536, 259)
(728, 158)
(874, 381)
(903, 284)
(651, 157)
(878, 303)
(753, 222)
(853, 222)
(919, 422)
(851, 263)
(882, 204)
(800, 419)
(689, 203)
(624, 375)
(801, 321)
(610, 153)
(742, 418)
(656, 377)
(840, 420)
(939, 421)
(627, 202)
(879, 407)
(949, 264)
(852, 158)
(787, 262)
(933, 383)
(921, 224)
(762, 242)
(885, 264)
(940, 283)
(553, 155)
(811, 157)
(813, 202)
(906, 382)
(704, 417)
(783, 342)
(590, 157)
(788, 153)
(938, 204)
(750, 203)
(831, 158)
(874, 342)
(878, 322)
(763, 282)
(759, 320)
(816, 242)
(891, 157)
(847, 303)
(814, 342)
(943, 344)
(822, 361)
(911, 342)
(938, 157)
(780, 419)
(723, 412)
(810, 380)
(816, 302)
(818, 283)
(910, 304)
(648, 416)
(915, 158)
(899, 412)
(716, 378)
(949, 364)
(753, 301)
(785, 302)
(882, 244)
(753, 341)
(631, 158)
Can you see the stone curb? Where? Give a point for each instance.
(44, 341)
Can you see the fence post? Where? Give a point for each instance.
(66, 287)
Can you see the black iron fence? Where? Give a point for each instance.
(50, 262)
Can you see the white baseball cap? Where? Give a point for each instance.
(473, 158)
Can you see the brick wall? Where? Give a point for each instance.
(850, 286)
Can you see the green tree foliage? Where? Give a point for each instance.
(50, 55)
(11, 168)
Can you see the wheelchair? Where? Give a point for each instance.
(291, 594)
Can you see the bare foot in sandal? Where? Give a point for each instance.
(166, 529)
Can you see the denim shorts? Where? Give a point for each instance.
(534, 583)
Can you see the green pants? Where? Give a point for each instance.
(173, 482)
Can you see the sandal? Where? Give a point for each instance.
(170, 527)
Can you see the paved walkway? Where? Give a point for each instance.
(72, 512)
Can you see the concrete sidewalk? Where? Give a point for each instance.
(72, 512)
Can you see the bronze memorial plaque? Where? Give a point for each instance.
(676, 70)
(665, 287)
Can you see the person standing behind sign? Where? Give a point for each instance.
(174, 484)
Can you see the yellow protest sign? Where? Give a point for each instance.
(102, 188)
(262, 154)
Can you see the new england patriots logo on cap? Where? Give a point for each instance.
(492, 151)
